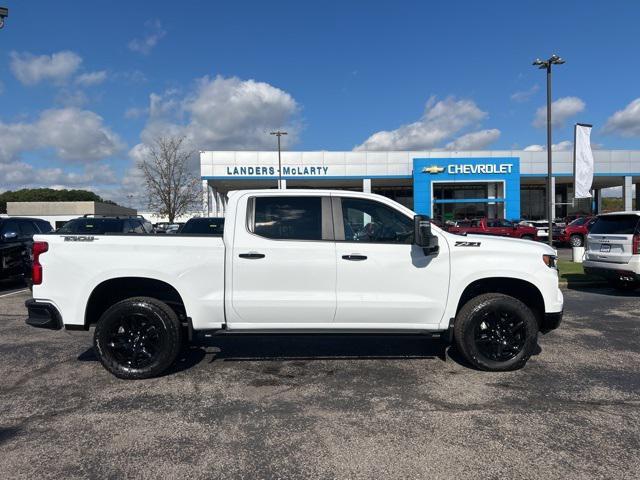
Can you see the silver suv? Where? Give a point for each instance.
(613, 249)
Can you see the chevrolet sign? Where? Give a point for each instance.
(433, 169)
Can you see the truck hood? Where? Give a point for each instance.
(506, 244)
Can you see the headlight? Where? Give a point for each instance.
(550, 260)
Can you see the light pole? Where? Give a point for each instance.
(546, 65)
(278, 134)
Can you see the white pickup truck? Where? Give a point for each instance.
(297, 261)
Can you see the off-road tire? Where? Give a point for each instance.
(165, 323)
(473, 313)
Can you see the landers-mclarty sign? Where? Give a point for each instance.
(472, 169)
(287, 171)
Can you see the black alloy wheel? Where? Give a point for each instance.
(500, 336)
(136, 339)
(496, 332)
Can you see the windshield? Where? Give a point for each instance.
(579, 221)
(208, 226)
(616, 224)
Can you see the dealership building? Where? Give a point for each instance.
(445, 185)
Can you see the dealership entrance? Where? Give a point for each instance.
(449, 189)
(467, 200)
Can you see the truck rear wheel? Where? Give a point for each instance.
(496, 332)
(138, 338)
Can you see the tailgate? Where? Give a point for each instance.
(611, 237)
(610, 248)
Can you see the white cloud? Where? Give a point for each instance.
(74, 134)
(524, 95)
(625, 122)
(91, 78)
(223, 113)
(440, 121)
(563, 146)
(23, 175)
(561, 111)
(31, 69)
(535, 148)
(153, 33)
(474, 140)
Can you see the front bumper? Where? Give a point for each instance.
(551, 321)
(43, 315)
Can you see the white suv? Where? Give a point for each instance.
(613, 249)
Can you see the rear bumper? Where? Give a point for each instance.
(43, 315)
(551, 321)
(613, 273)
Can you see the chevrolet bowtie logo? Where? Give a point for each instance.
(433, 169)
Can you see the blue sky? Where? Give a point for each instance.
(86, 85)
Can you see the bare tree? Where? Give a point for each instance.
(172, 188)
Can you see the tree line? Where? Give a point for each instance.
(48, 195)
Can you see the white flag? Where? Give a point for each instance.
(583, 162)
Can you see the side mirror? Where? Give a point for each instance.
(423, 236)
(9, 236)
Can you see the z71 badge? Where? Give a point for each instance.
(79, 238)
(467, 244)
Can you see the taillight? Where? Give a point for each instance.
(636, 244)
(36, 269)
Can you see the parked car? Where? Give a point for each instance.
(542, 228)
(16, 239)
(576, 232)
(173, 228)
(613, 249)
(204, 226)
(98, 225)
(494, 226)
(292, 260)
(161, 227)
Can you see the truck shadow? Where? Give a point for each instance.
(605, 290)
(274, 347)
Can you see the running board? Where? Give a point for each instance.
(324, 331)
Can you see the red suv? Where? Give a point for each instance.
(576, 232)
(494, 226)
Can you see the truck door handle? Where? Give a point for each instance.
(354, 257)
(252, 255)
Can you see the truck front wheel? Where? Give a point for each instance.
(138, 338)
(496, 332)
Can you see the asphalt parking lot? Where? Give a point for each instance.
(327, 406)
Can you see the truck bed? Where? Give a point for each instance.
(194, 265)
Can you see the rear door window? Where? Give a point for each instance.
(288, 218)
(44, 226)
(27, 228)
(616, 225)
